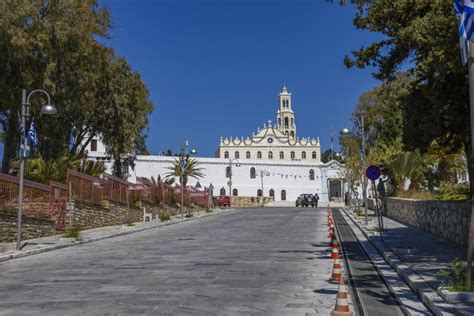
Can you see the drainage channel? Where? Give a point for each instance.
(372, 296)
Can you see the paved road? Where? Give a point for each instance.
(255, 261)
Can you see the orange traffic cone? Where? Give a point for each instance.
(342, 304)
(331, 230)
(335, 253)
(336, 270)
(334, 243)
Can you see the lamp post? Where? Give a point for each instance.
(263, 173)
(346, 132)
(237, 164)
(47, 109)
(183, 155)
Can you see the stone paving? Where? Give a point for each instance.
(428, 254)
(255, 261)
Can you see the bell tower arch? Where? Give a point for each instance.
(285, 114)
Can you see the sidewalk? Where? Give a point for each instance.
(417, 256)
(44, 244)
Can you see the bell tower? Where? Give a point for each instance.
(285, 115)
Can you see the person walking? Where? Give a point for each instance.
(316, 199)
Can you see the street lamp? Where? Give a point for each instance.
(345, 132)
(47, 109)
(183, 154)
(263, 173)
(237, 164)
(349, 190)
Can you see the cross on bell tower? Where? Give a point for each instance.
(285, 115)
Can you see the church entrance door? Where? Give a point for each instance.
(335, 190)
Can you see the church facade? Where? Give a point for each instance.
(274, 163)
(275, 141)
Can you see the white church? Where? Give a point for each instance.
(272, 162)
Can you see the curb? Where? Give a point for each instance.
(20, 254)
(426, 293)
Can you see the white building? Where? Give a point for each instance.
(274, 162)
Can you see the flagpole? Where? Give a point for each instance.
(471, 161)
(332, 144)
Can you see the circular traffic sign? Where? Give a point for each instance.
(229, 183)
(373, 173)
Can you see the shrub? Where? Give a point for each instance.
(455, 277)
(208, 210)
(72, 232)
(449, 191)
(189, 215)
(135, 200)
(157, 201)
(173, 200)
(359, 212)
(164, 217)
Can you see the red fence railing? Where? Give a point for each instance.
(39, 200)
(50, 201)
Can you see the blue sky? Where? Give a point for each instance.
(214, 68)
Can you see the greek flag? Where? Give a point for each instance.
(32, 134)
(464, 10)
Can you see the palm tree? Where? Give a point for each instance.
(41, 170)
(407, 166)
(192, 170)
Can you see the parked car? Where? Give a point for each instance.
(222, 201)
(305, 200)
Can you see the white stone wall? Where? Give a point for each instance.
(293, 177)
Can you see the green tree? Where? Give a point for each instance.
(326, 156)
(421, 37)
(56, 45)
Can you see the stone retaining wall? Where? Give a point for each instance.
(448, 220)
(88, 216)
(31, 227)
(247, 201)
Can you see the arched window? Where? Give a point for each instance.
(279, 122)
(227, 172)
(272, 194)
(247, 155)
(226, 154)
(253, 174)
(236, 155)
(313, 155)
(222, 192)
(286, 122)
(259, 155)
(292, 122)
(303, 155)
(282, 103)
(235, 192)
(259, 193)
(282, 155)
(270, 155)
(283, 195)
(286, 133)
(292, 155)
(311, 174)
(292, 134)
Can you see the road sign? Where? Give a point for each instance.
(373, 173)
(229, 183)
